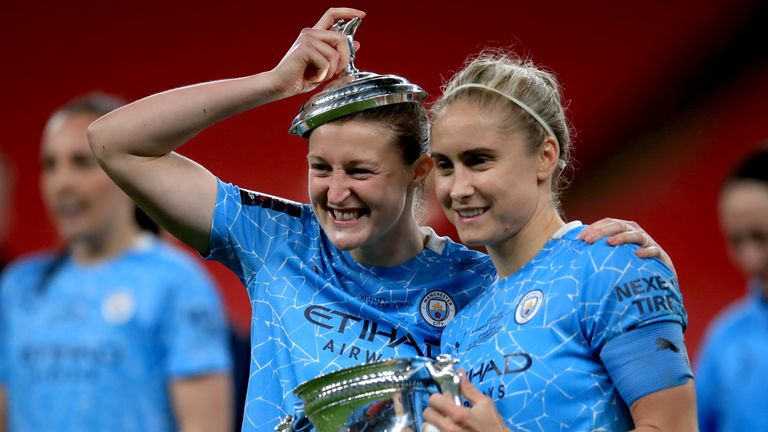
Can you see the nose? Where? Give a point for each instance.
(338, 190)
(461, 186)
(58, 180)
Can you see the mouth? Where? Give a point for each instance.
(69, 208)
(471, 213)
(347, 215)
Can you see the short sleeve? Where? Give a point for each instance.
(633, 317)
(194, 329)
(622, 292)
(248, 224)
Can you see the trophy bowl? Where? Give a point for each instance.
(388, 395)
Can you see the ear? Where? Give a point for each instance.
(548, 157)
(421, 169)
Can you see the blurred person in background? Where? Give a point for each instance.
(116, 331)
(732, 368)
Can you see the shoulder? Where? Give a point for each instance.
(459, 263)
(462, 256)
(614, 280)
(31, 264)
(734, 318)
(603, 262)
(252, 199)
(26, 273)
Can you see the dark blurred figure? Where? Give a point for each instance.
(117, 331)
(733, 364)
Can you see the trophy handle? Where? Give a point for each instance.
(446, 377)
(348, 29)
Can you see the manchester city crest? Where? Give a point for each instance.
(119, 307)
(437, 308)
(528, 307)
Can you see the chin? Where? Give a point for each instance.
(346, 242)
(470, 238)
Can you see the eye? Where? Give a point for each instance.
(760, 238)
(48, 164)
(478, 160)
(320, 168)
(82, 161)
(442, 165)
(359, 172)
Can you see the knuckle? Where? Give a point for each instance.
(461, 417)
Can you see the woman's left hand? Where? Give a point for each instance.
(621, 232)
(446, 416)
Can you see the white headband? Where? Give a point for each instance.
(521, 104)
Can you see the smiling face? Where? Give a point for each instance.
(487, 181)
(85, 205)
(360, 187)
(744, 221)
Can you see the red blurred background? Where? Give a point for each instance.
(665, 96)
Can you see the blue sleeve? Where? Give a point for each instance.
(194, 328)
(707, 383)
(646, 360)
(627, 304)
(247, 225)
(622, 291)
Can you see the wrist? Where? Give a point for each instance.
(272, 85)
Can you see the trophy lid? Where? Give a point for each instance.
(353, 91)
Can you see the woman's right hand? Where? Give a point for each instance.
(445, 416)
(318, 54)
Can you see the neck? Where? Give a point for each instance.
(511, 254)
(100, 248)
(394, 248)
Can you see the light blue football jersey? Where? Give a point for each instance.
(95, 348)
(316, 310)
(574, 336)
(732, 368)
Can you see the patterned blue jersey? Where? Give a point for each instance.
(574, 336)
(316, 310)
(95, 348)
(732, 368)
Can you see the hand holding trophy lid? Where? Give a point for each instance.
(353, 91)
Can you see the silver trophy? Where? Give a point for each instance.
(353, 91)
(384, 396)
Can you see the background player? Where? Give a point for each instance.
(733, 365)
(118, 331)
